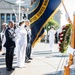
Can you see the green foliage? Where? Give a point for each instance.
(51, 23)
(64, 38)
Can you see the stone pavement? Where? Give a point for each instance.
(44, 62)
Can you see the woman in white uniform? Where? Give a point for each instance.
(4, 26)
(21, 44)
(51, 34)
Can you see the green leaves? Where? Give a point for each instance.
(51, 23)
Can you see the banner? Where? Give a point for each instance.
(42, 12)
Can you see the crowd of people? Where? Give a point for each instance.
(16, 40)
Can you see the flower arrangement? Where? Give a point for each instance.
(64, 40)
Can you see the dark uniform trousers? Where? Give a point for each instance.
(9, 57)
(28, 48)
(10, 45)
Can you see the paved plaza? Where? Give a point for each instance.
(44, 62)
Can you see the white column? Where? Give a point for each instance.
(17, 17)
(10, 16)
(17, 20)
(5, 17)
(27, 15)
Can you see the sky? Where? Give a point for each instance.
(70, 6)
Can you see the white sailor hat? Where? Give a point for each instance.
(27, 20)
(21, 21)
(52, 27)
(4, 24)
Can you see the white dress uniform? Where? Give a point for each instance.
(16, 40)
(51, 34)
(3, 41)
(21, 44)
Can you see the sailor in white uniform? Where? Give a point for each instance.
(4, 26)
(51, 34)
(21, 44)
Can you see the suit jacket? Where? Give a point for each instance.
(0, 42)
(29, 38)
(9, 34)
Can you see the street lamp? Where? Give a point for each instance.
(24, 3)
(19, 2)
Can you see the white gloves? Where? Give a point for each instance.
(67, 15)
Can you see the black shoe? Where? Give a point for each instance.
(30, 58)
(3, 53)
(27, 61)
(13, 54)
(8, 69)
(12, 69)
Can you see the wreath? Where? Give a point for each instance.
(64, 40)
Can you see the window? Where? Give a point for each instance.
(14, 17)
(2, 17)
(7, 18)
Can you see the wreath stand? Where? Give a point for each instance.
(70, 65)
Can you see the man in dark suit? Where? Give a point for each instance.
(28, 49)
(9, 44)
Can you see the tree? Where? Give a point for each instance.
(51, 23)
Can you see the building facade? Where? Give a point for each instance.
(9, 10)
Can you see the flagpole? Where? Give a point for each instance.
(72, 45)
(64, 6)
(69, 20)
(19, 9)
